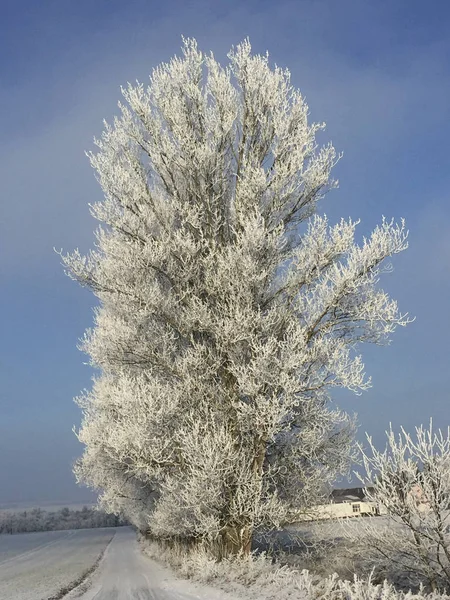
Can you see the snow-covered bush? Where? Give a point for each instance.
(257, 578)
(412, 481)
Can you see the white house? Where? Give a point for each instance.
(343, 503)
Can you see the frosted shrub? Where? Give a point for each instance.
(412, 481)
(257, 578)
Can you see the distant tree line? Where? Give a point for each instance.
(42, 520)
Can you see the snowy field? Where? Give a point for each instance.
(333, 528)
(328, 537)
(35, 566)
(13, 545)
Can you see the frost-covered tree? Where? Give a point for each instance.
(412, 481)
(229, 309)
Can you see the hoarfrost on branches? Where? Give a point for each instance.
(412, 482)
(229, 309)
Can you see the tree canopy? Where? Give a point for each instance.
(229, 309)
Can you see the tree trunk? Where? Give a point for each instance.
(235, 541)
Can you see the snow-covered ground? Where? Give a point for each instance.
(125, 573)
(13, 545)
(35, 566)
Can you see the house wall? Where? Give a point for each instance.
(341, 510)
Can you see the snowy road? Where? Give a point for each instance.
(126, 574)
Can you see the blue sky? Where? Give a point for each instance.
(376, 72)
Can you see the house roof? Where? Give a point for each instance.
(348, 495)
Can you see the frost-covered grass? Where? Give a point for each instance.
(258, 577)
(41, 571)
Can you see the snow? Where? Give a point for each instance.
(126, 574)
(13, 545)
(36, 566)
